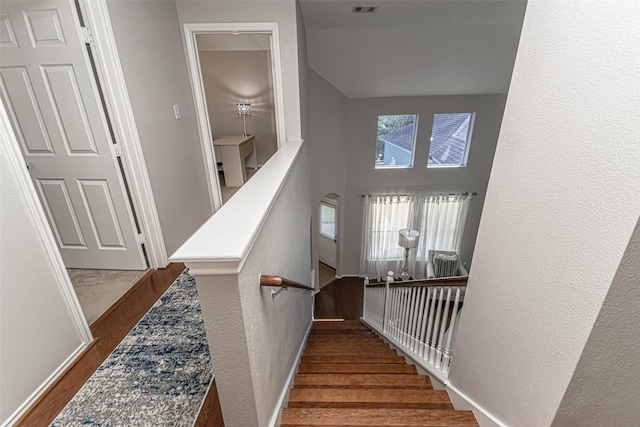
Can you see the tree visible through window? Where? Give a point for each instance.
(396, 140)
(450, 138)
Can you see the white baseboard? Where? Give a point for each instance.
(341, 276)
(44, 386)
(288, 385)
(462, 402)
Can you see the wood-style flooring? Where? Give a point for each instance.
(349, 377)
(340, 299)
(108, 331)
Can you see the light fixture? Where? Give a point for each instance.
(244, 110)
(408, 240)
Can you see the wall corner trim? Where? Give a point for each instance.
(13, 418)
(463, 402)
(221, 246)
(117, 97)
(288, 385)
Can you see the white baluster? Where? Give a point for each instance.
(385, 315)
(416, 330)
(430, 329)
(367, 295)
(446, 362)
(436, 328)
(414, 318)
(425, 314)
(443, 328)
(411, 301)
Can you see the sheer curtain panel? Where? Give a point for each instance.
(439, 218)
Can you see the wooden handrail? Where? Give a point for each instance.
(442, 281)
(278, 281)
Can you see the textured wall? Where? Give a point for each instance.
(37, 332)
(253, 337)
(561, 205)
(153, 61)
(276, 326)
(605, 386)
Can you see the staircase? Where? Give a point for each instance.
(350, 377)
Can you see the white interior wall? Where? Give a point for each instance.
(275, 327)
(282, 12)
(363, 178)
(561, 205)
(149, 42)
(230, 77)
(37, 331)
(327, 147)
(302, 71)
(606, 383)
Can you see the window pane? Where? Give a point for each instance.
(396, 141)
(450, 139)
(328, 221)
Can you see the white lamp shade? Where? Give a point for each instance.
(244, 109)
(408, 238)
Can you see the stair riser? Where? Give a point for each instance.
(318, 368)
(371, 405)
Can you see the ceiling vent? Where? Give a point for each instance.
(364, 9)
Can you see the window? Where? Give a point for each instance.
(396, 141)
(450, 138)
(328, 220)
(440, 219)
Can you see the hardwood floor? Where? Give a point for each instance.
(108, 331)
(360, 381)
(340, 299)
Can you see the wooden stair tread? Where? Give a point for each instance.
(348, 376)
(376, 417)
(346, 358)
(364, 381)
(344, 324)
(355, 368)
(368, 398)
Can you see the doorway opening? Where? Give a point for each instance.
(235, 74)
(328, 214)
(60, 123)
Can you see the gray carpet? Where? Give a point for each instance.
(98, 290)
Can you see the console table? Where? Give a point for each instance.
(235, 150)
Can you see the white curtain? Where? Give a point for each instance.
(439, 218)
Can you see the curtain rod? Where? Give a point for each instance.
(431, 194)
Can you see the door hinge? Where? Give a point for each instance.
(87, 37)
(142, 239)
(117, 149)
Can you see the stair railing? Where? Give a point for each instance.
(283, 284)
(419, 317)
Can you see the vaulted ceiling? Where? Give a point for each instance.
(414, 48)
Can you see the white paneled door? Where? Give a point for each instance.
(47, 85)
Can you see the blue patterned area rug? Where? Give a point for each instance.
(157, 376)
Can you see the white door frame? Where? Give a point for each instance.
(202, 115)
(112, 82)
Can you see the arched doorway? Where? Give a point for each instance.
(328, 228)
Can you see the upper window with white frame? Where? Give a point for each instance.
(450, 140)
(396, 141)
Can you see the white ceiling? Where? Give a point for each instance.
(235, 42)
(414, 48)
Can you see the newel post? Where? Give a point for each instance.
(387, 300)
(364, 298)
